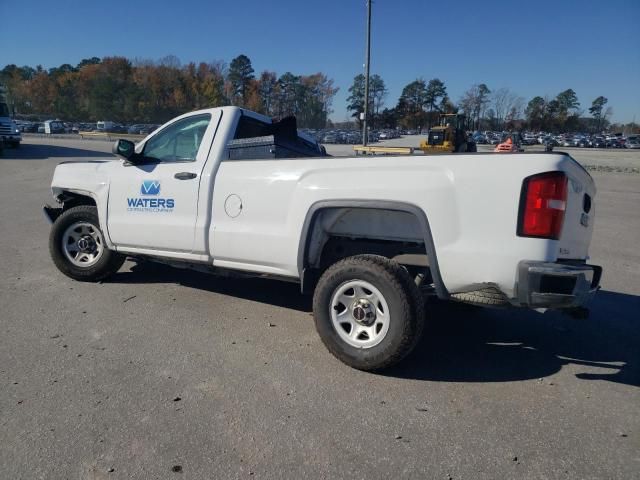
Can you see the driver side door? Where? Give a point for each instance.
(153, 203)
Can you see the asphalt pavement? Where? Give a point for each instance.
(167, 373)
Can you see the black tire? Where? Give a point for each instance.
(488, 296)
(108, 263)
(15, 144)
(406, 311)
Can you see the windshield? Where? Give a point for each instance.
(4, 110)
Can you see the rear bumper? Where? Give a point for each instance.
(556, 285)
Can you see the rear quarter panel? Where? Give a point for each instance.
(277, 195)
(471, 202)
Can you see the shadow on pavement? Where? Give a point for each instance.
(470, 344)
(262, 290)
(43, 152)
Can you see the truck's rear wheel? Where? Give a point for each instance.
(368, 311)
(78, 248)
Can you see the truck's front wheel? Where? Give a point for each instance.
(78, 248)
(368, 311)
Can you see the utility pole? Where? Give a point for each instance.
(365, 133)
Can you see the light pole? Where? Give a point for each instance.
(365, 135)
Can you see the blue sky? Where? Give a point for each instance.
(533, 48)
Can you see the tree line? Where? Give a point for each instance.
(421, 103)
(143, 91)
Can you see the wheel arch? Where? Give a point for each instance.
(70, 198)
(314, 213)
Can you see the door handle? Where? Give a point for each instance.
(185, 175)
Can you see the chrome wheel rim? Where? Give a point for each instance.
(360, 314)
(82, 244)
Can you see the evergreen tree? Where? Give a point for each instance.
(240, 76)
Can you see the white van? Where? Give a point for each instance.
(54, 126)
(105, 126)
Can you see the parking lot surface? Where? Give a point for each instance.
(167, 373)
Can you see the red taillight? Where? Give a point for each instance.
(542, 205)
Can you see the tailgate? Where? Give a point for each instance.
(579, 214)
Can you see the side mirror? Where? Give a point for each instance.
(124, 148)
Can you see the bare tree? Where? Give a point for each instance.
(473, 103)
(170, 61)
(505, 104)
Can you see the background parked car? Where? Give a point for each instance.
(135, 129)
(580, 142)
(30, 127)
(147, 129)
(632, 142)
(480, 138)
(54, 127)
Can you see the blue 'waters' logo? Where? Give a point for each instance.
(150, 187)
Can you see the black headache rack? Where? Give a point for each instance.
(268, 141)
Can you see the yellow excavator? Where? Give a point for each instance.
(447, 137)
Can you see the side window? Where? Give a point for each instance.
(180, 141)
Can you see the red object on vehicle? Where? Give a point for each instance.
(542, 205)
(507, 146)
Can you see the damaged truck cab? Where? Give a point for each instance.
(227, 190)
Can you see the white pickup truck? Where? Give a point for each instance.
(368, 235)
